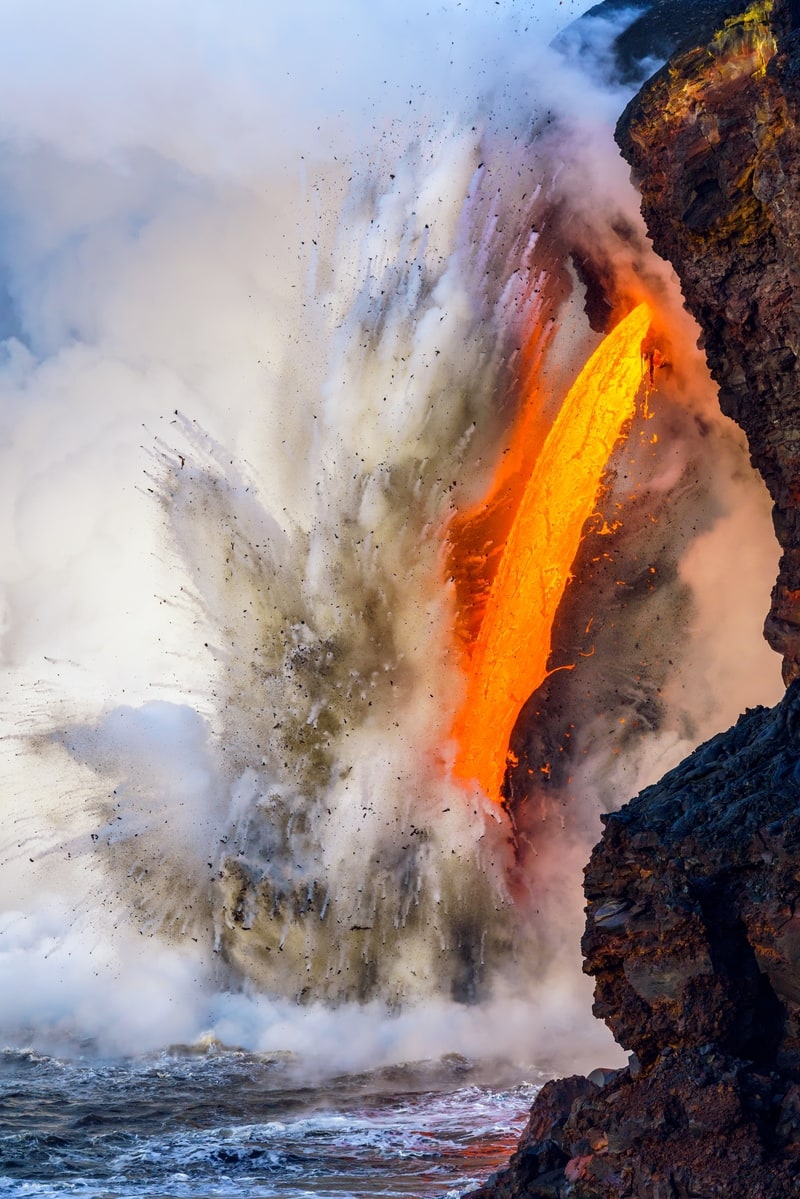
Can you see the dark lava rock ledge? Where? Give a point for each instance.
(693, 938)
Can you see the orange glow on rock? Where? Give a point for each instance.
(509, 659)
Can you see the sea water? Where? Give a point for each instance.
(217, 1122)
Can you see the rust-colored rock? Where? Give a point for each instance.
(697, 1125)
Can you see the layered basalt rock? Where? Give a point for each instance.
(693, 919)
(714, 142)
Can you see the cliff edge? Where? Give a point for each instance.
(693, 916)
(714, 143)
(693, 938)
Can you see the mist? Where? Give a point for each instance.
(265, 279)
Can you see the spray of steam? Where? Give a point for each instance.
(244, 392)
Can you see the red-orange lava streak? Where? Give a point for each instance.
(509, 660)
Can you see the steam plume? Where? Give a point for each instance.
(248, 380)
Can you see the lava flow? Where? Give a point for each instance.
(509, 660)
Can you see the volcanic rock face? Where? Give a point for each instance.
(692, 934)
(714, 140)
(693, 937)
(693, 918)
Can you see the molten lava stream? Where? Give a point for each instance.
(509, 660)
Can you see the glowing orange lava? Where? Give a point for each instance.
(509, 660)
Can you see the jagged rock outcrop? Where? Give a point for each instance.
(714, 141)
(698, 1126)
(693, 938)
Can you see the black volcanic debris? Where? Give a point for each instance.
(693, 893)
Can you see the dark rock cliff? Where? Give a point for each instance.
(693, 938)
(713, 140)
(693, 917)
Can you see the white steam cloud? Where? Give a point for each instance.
(263, 276)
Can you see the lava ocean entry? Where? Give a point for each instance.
(509, 660)
(337, 520)
(371, 534)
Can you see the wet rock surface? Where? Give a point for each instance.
(697, 1125)
(693, 938)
